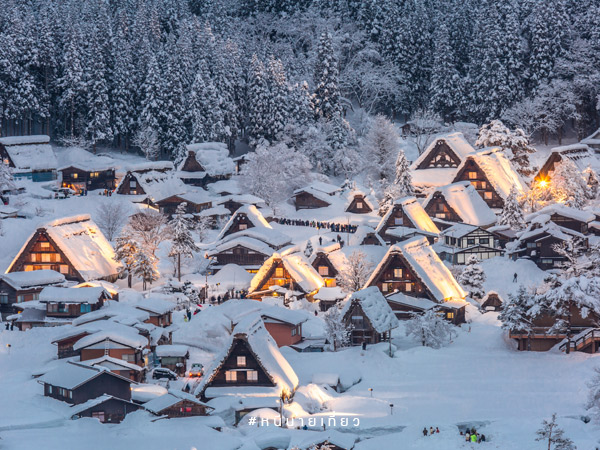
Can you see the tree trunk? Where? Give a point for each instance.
(179, 267)
(129, 277)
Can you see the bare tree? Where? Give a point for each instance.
(148, 228)
(554, 435)
(424, 124)
(336, 330)
(111, 216)
(147, 140)
(356, 272)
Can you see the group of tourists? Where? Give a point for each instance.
(431, 431)
(473, 436)
(333, 227)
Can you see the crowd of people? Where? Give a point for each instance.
(333, 227)
(473, 436)
(431, 431)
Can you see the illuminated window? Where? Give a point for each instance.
(241, 361)
(323, 271)
(230, 376)
(408, 287)
(46, 257)
(472, 175)
(243, 226)
(483, 185)
(252, 375)
(440, 215)
(279, 272)
(398, 221)
(45, 245)
(64, 269)
(384, 287)
(75, 175)
(359, 205)
(450, 315)
(397, 273)
(487, 195)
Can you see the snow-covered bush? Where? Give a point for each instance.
(336, 331)
(430, 329)
(472, 278)
(355, 273)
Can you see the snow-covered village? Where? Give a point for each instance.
(300, 225)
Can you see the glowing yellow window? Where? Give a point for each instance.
(472, 175)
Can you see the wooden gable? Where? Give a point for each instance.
(169, 205)
(362, 329)
(5, 157)
(439, 208)
(395, 274)
(472, 173)
(440, 156)
(397, 218)
(41, 252)
(359, 205)
(547, 169)
(223, 375)
(184, 408)
(130, 185)
(493, 302)
(324, 267)
(241, 256)
(241, 222)
(191, 164)
(306, 200)
(570, 223)
(277, 276)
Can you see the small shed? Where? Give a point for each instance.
(177, 404)
(492, 302)
(106, 408)
(173, 357)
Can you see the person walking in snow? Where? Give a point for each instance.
(437, 430)
(468, 436)
(474, 438)
(425, 431)
(431, 431)
(320, 240)
(515, 277)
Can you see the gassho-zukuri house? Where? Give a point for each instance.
(73, 246)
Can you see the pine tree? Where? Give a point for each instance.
(258, 102)
(593, 184)
(327, 94)
(308, 250)
(122, 95)
(403, 178)
(446, 89)
(173, 135)
(71, 84)
(183, 243)
(512, 214)
(151, 103)
(430, 329)
(472, 278)
(593, 402)
(145, 267)
(567, 184)
(515, 312)
(126, 250)
(279, 99)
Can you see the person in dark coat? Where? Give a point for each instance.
(425, 431)
(320, 240)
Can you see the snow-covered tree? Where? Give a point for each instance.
(327, 94)
(274, 172)
(515, 315)
(552, 434)
(512, 213)
(473, 277)
(145, 267)
(146, 139)
(148, 228)
(424, 124)
(593, 184)
(6, 177)
(515, 143)
(430, 329)
(380, 146)
(355, 273)
(593, 401)
(181, 231)
(126, 250)
(110, 217)
(567, 184)
(308, 250)
(336, 330)
(258, 102)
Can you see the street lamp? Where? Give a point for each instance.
(371, 391)
(391, 409)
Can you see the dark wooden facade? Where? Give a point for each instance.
(192, 165)
(276, 276)
(240, 368)
(41, 252)
(78, 179)
(184, 408)
(104, 383)
(240, 255)
(439, 208)
(492, 302)
(71, 310)
(168, 206)
(306, 200)
(397, 275)
(570, 223)
(130, 185)
(361, 328)
(538, 248)
(177, 364)
(397, 218)
(478, 242)
(441, 156)
(9, 296)
(240, 222)
(325, 268)
(124, 352)
(65, 345)
(359, 205)
(472, 173)
(111, 410)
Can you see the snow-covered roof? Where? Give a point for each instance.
(129, 338)
(84, 245)
(542, 224)
(498, 170)
(592, 139)
(485, 298)
(427, 266)
(375, 307)
(83, 160)
(299, 268)
(271, 313)
(213, 157)
(75, 410)
(34, 278)
(420, 303)
(157, 185)
(112, 363)
(466, 202)
(262, 230)
(362, 231)
(459, 230)
(91, 295)
(225, 186)
(336, 438)
(156, 305)
(149, 165)
(457, 143)
(438, 176)
(330, 294)
(30, 152)
(565, 211)
(267, 354)
(72, 375)
(231, 276)
(245, 199)
(172, 350)
(414, 211)
(319, 186)
(244, 241)
(159, 404)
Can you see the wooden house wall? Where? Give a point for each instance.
(441, 156)
(10, 296)
(359, 334)
(282, 333)
(493, 302)
(439, 208)
(42, 253)
(305, 200)
(543, 255)
(102, 384)
(65, 346)
(130, 186)
(90, 180)
(113, 409)
(476, 176)
(354, 208)
(169, 205)
(184, 408)
(323, 260)
(191, 164)
(118, 353)
(240, 219)
(273, 280)
(173, 365)
(240, 348)
(241, 256)
(388, 283)
(570, 223)
(59, 309)
(160, 320)
(396, 219)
